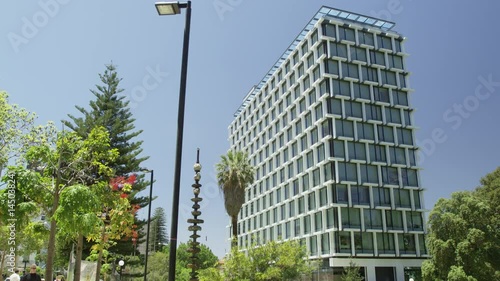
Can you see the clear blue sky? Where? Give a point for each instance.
(51, 52)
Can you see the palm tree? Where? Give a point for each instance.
(234, 174)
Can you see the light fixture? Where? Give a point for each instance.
(168, 8)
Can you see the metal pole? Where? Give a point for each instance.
(178, 154)
(149, 222)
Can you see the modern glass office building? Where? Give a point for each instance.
(330, 131)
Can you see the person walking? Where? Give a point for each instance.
(32, 276)
(15, 276)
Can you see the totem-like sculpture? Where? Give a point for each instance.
(194, 248)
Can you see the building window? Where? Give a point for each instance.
(409, 177)
(388, 77)
(369, 174)
(361, 91)
(358, 54)
(305, 182)
(390, 175)
(344, 128)
(405, 136)
(357, 150)
(321, 152)
(363, 242)
(414, 221)
(340, 194)
(325, 243)
(326, 128)
(365, 131)
(373, 219)
(377, 58)
(328, 171)
(301, 205)
(350, 217)
(351, 70)
(338, 50)
(307, 224)
(398, 155)
(381, 196)
(360, 195)
(396, 61)
(366, 38)
(377, 153)
(384, 42)
(346, 34)
(406, 243)
(416, 199)
(385, 243)
(394, 220)
(369, 74)
(373, 112)
(385, 133)
(313, 245)
(393, 115)
(297, 227)
(331, 218)
(334, 106)
(343, 242)
(311, 201)
(329, 30)
(323, 197)
(318, 221)
(332, 67)
(347, 172)
(337, 148)
(353, 109)
(342, 88)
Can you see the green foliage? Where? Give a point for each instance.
(272, 261)
(234, 174)
(110, 110)
(158, 267)
(351, 273)
(464, 236)
(16, 125)
(158, 228)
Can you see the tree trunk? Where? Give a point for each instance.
(99, 258)
(234, 239)
(78, 258)
(51, 248)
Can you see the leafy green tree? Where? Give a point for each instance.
(234, 174)
(464, 236)
(158, 267)
(158, 230)
(273, 261)
(351, 273)
(58, 161)
(16, 124)
(110, 110)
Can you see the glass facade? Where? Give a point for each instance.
(331, 135)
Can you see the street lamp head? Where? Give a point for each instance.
(169, 8)
(121, 263)
(145, 170)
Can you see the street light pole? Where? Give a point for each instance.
(172, 8)
(149, 222)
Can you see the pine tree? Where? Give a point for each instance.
(110, 110)
(158, 230)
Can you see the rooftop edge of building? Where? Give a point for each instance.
(323, 12)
